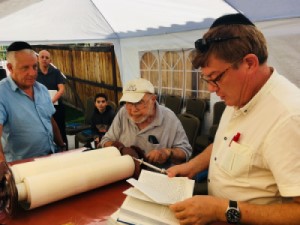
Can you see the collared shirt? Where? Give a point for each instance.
(166, 128)
(27, 127)
(262, 166)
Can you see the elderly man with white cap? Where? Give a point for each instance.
(145, 124)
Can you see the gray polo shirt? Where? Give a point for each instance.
(166, 128)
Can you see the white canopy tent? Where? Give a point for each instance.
(127, 24)
(140, 25)
(143, 25)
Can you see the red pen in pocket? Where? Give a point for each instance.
(235, 138)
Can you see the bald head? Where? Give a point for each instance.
(44, 59)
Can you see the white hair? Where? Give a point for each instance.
(11, 55)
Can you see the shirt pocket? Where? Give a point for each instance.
(235, 160)
(44, 110)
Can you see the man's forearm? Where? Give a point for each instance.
(59, 93)
(2, 157)
(177, 155)
(57, 135)
(201, 161)
(282, 213)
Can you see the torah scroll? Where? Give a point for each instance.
(56, 177)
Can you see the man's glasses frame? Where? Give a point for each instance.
(138, 105)
(214, 82)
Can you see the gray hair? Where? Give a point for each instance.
(11, 55)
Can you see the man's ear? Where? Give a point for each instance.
(251, 61)
(9, 67)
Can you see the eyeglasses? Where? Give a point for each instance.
(203, 44)
(214, 82)
(138, 105)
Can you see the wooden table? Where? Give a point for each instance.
(89, 208)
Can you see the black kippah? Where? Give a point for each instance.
(237, 18)
(18, 45)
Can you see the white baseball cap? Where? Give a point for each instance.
(135, 90)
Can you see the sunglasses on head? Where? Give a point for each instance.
(203, 44)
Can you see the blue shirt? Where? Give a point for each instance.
(27, 128)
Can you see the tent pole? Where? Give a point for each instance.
(114, 73)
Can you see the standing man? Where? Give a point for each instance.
(26, 122)
(54, 81)
(254, 162)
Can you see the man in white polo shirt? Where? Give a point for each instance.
(254, 162)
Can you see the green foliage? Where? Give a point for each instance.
(73, 115)
(2, 53)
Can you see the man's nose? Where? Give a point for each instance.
(33, 71)
(212, 88)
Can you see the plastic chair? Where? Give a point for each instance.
(196, 107)
(202, 141)
(190, 125)
(219, 108)
(113, 105)
(174, 103)
(85, 136)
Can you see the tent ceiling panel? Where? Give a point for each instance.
(258, 10)
(142, 18)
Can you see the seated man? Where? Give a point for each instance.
(145, 124)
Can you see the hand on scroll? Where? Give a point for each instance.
(139, 151)
(135, 152)
(159, 156)
(118, 145)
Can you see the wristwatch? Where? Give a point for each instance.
(233, 214)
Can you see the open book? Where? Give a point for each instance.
(148, 201)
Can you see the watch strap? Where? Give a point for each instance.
(232, 204)
(233, 214)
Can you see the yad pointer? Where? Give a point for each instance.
(141, 161)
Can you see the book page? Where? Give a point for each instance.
(137, 211)
(52, 94)
(162, 189)
(134, 192)
(112, 220)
